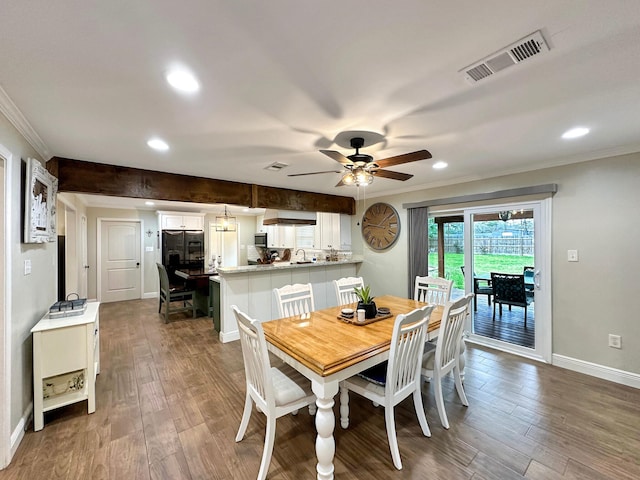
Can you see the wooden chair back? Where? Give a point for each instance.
(344, 289)
(294, 299)
(433, 290)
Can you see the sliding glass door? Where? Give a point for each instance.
(507, 257)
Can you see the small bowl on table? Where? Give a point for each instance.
(347, 312)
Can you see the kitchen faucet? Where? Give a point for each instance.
(304, 254)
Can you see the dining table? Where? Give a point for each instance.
(327, 349)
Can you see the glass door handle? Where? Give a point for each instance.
(536, 279)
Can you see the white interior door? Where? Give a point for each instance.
(84, 266)
(120, 270)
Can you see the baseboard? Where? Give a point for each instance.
(229, 337)
(18, 434)
(600, 371)
(150, 295)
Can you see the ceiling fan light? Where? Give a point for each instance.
(349, 179)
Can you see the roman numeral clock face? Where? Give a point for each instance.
(380, 226)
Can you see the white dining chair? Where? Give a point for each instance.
(344, 289)
(445, 358)
(391, 382)
(294, 299)
(432, 290)
(275, 391)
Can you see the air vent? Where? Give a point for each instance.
(276, 166)
(523, 49)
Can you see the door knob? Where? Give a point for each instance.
(137, 264)
(86, 266)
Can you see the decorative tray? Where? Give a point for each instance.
(354, 320)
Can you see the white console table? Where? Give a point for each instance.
(65, 346)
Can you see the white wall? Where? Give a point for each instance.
(594, 211)
(31, 295)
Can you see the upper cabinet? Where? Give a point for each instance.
(181, 221)
(278, 236)
(333, 230)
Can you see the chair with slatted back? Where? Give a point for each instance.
(276, 391)
(445, 357)
(391, 382)
(344, 289)
(294, 299)
(171, 294)
(433, 290)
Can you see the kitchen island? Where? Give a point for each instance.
(250, 287)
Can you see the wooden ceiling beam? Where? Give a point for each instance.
(97, 178)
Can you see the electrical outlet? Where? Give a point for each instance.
(615, 341)
(572, 255)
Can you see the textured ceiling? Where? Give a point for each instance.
(282, 79)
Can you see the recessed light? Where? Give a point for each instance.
(158, 144)
(245, 209)
(575, 132)
(182, 80)
(440, 165)
(149, 203)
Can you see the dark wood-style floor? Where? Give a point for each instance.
(170, 397)
(508, 327)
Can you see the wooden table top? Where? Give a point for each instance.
(325, 344)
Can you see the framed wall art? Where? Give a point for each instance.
(39, 204)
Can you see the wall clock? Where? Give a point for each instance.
(380, 226)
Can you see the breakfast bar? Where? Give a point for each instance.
(250, 287)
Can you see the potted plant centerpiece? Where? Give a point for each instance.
(366, 301)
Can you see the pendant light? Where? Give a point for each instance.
(226, 223)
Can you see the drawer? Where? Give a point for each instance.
(63, 350)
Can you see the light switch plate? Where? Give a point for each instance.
(27, 267)
(572, 255)
(148, 249)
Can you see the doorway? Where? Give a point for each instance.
(5, 308)
(119, 252)
(512, 239)
(224, 245)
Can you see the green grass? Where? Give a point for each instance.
(484, 264)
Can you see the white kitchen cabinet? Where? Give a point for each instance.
(181, 221)
(66, 360)
(278, 236)
(333, 231)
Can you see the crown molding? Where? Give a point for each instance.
(18, 120)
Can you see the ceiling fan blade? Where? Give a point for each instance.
(312, 173)
(392, 175)
(340, 183)
(337, 156)
(404, 158)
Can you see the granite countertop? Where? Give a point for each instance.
(283, 265)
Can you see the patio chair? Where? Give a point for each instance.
(509, 290)
(481, 286)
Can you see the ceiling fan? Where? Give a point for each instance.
(361, 168)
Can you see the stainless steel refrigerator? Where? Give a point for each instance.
(182, 250)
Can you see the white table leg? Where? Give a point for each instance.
(325, 424)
